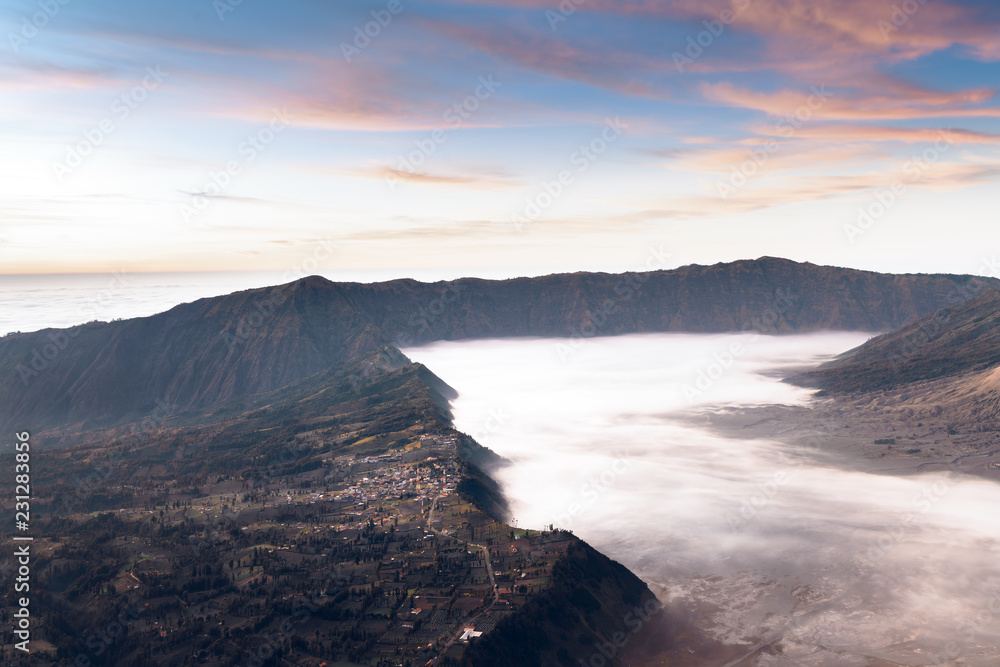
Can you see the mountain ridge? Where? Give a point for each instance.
(209, 351)
(951, 341)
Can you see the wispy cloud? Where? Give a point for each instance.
(586, 62)
(870, 107)
(443, 179)
(896, 81)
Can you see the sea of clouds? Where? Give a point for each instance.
(756, 539)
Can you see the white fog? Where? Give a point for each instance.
(752, 539)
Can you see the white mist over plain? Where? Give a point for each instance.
(755, 539)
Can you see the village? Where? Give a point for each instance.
(375, 558)
(463, 571)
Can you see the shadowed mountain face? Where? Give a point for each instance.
(213, 350)
(195, 355)
(340, 479)
(952, 340)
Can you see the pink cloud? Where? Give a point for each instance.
(871, 133)
(52, 78)
(903, 104)
(466, 180)
(803, 189)
(799, 156)
(593, 64)
(816, 30)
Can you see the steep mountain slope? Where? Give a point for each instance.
(204, 353)
(349, 412)
(304, 512)
(195, 355)
(591, 603)
(965, 337)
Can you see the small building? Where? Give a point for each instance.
(468, 633)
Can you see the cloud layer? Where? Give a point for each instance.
(787, 101)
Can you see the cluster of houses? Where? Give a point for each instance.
(402, 481)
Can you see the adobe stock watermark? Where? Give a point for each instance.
(101, 641)
(990, 267)
(786, 128)
(43, 356)
(883, 200)
(302, 610)
(582, 158)
(454, 117)
(429, 313)
(696, 44)
(929, 330)
(754, 503)
(248, 150)
(890, 536)
(566, 9)
(919, 339)
(495, 420)
(634, 620)
(121, 108)
(323, 250)
(420, 323)
(593, 489)
(223, 523)
(31, 26)
(972, 626)
(363, 35)
(266, 306)
(86, 485)
(724, 360)
(901, 14)
(95, 305)
(385, 361)
(223, 7)
(100, 471)
(624, 290)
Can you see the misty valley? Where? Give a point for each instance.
(759, 539)
(754, 464)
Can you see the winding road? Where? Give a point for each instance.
(489, 572)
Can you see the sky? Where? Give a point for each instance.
(476, 137)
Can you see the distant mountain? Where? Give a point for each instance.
(965, 337)
(202, 354)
